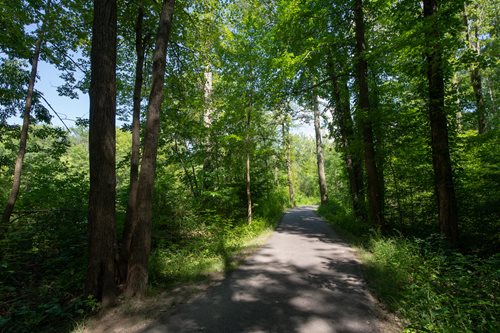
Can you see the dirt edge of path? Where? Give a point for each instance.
(132, 315)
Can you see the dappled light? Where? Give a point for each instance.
(150, 149)
(304, 279)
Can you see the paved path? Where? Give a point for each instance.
(304, 279)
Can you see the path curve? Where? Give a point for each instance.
(304, 279)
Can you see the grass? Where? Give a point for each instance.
(431, 287)
(194, 252)
(42, 268)
(205, 249)
(206, 243)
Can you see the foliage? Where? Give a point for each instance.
(41, 254)
(264, 74)
(202, 249)
(41, 268)
(433, 288)
(478, 178)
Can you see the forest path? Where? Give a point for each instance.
(304, 279)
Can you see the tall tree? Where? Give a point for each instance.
(134, 159)
(375, 191)
(474, 44)
(207, 122)
(320, 160)
(286, 137)
(137, 277)
(248, 147)
(443, 177)
(16, 182)
(341, 115)
(102, 150)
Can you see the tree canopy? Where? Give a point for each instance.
(212, 95)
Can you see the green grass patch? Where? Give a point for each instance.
(303, 200)
(204, 249)
(431, 287)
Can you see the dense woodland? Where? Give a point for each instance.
(405, 158)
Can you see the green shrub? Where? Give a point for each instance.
(43, 271)
(204, 246)
(433, 288)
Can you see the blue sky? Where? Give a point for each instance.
(67, 108)
(71, 109)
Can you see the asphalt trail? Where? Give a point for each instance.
(304, 279)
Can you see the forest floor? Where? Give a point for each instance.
(303, 279)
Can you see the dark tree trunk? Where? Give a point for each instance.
(351, 157)
(130, 217)
(16, 183)
(102, 229)
(319, 152)
(375, 195)
(137, 278)
(443, 178)
(288, 158)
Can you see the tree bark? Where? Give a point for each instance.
(343, 119)
(102, 230)
(475, 75)
(130, 217)
(16, 182)
(288, 158)
(207, 122)
(319, 152)
(247, 174)
(476, 78)
(443, 177)
(137, 278)
(375, 195)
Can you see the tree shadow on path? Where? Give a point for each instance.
(305, 279)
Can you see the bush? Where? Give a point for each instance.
(43, 271)
(203, 248)
(433, 288)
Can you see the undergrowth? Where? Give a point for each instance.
(203, 249)
(43, 261)
(196, 244)
(431, 287)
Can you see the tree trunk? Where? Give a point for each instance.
(288, 158)
(375, 201)
(443, 178)
(319, 152)
(140, 246)
(207, 122)
(491, 91)
(475, 76)
(247, 175)
(351, 157)
(130, 217)
(102, 230)
(16, 183)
